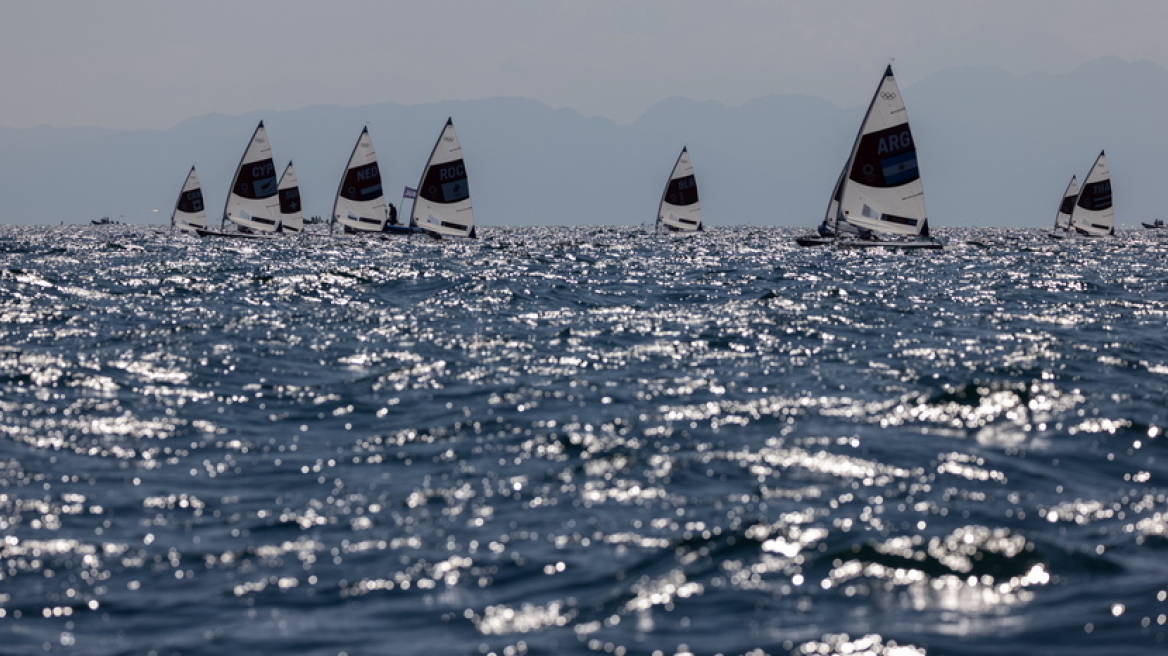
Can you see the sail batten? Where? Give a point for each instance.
(443, 204)
(680, 210)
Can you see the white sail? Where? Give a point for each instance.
(189, 213)
(1062, 220)
(1093, 215)
(360, 203)
(291, 215)
(443, 204)
(680, 210)
(832, 218)
(882, 190)
(252, 202)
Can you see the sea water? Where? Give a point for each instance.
(582, 441)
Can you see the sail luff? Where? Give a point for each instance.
(834, 205)
(1093, 214)
(425, 170)
(359, 203)
(883, 191)
(291, 211)
(252, 201)
(189, 212)
(443, 204)
(1062, 219)
(831, 218)
(680, 208)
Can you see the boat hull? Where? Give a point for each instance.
(202, 232)
(906, 244)
(1154, 226)
(402, 230)
(847, 242)
(814, 240)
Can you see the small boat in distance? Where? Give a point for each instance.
(360, 203)
(291, 215)
(189, 214)
(1093, 215)
(679, 210)
(252, 202)
(878, 200)
(443, 206)
(1062, 220)
(1155, 225)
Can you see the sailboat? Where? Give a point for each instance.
(1062, 220)
(360, 203)
(1092, 215)
(189, 214)
(679, 210)
(291, 215)
(252, 203)
(878, 199)
(443, 207)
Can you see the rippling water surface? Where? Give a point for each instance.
(582, 441)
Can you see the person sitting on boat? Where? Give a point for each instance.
(825, 231)
(392, 215)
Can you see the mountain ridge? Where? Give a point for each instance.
(995, 149)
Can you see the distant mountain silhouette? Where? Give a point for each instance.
(995, 150)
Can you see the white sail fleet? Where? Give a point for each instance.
(878, 199)
(261, 206)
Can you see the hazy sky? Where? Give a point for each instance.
(151, 64)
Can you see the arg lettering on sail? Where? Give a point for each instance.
(887, 158)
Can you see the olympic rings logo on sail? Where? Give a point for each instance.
(888, 95)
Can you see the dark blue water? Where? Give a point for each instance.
(582, 441)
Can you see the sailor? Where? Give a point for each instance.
(392, 214)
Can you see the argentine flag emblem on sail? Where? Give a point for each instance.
(900, 168)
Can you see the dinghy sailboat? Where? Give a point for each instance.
(1092, 215)
(291, 215)
(252, 202)
(878, 200)
(189, 214)
(360, 203)
(679, 210)
(1062, 220)
(443, 207)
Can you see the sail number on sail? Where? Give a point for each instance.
(446, 183)
(191, 201)
(887, 158)
(257, 180)
(1096, 196)
(362, 182)
(682, 191)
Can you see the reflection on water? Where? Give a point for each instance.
(581, 440)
